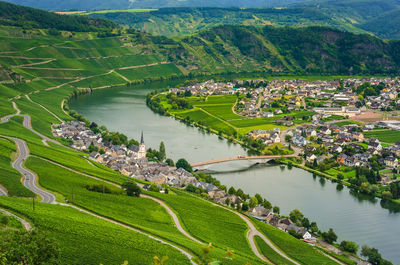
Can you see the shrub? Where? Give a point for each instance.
(132, 189)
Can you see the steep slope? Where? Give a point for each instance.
(181, 21)
(385, 26)
(15, 15)
(305, 50)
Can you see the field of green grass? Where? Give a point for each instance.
(216, 112)
(201, 218)
(384, 135)
(293, 247)
(91, 237)
(268, 252)
(154, 71)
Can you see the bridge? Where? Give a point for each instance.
(223, 160)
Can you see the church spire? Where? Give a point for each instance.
(141, 139)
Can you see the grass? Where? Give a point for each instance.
(97, 241)
(334, 172)
(293, 247)
(210, 223)
(12, 222)
(142, 213)
(154, 71)
(41, 120)
(343, 123)
(384, 135)
(199, 116)
(268, 252)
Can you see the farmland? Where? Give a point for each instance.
(385, 135)
(75, 231)
(216, 113)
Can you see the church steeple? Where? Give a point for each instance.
(142, 148)
(141, 139)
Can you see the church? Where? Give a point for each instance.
(138, 152)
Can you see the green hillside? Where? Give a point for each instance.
(181, 21)
(15, 15)
(124, 4)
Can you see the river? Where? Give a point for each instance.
(353, 217)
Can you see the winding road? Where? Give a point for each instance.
(30, 178)
(47, 197)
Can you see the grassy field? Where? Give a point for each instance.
(76, 231)
(293, 247)
(201, 218)
(154, 71)
(216, 112)
(268, 252)
(384, 135)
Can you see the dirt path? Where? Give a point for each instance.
(31, 64)
(141, 66)
(165, 206)
(184, 252)
(25, 223)
(55, 116)
(31, 184)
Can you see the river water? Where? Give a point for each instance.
(353, 217)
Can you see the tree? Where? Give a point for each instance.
(296, 216)
(169, 162)
(387, 195)
(162, 154)
(276, 209)
(340, 176)
(373, 255)
(182, 163)
(305, 223)
(154, 187)
(314, 227)
(288, 138)
(231, 191)
(259, 198)
(329, 237)
(28, 247)
(253, 202)
(132, 189)
(349, 246)
(245, 206)
(266, 204)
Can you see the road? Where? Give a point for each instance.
(3, 192)
(25, 223)
(28, 124)
(30, 179)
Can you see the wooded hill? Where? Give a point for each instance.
(21, 16)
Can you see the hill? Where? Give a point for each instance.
(124, 4)
(183, 21)
(385, 26)
(15, 15)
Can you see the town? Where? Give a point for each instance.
(340, 128)
(131, 161)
